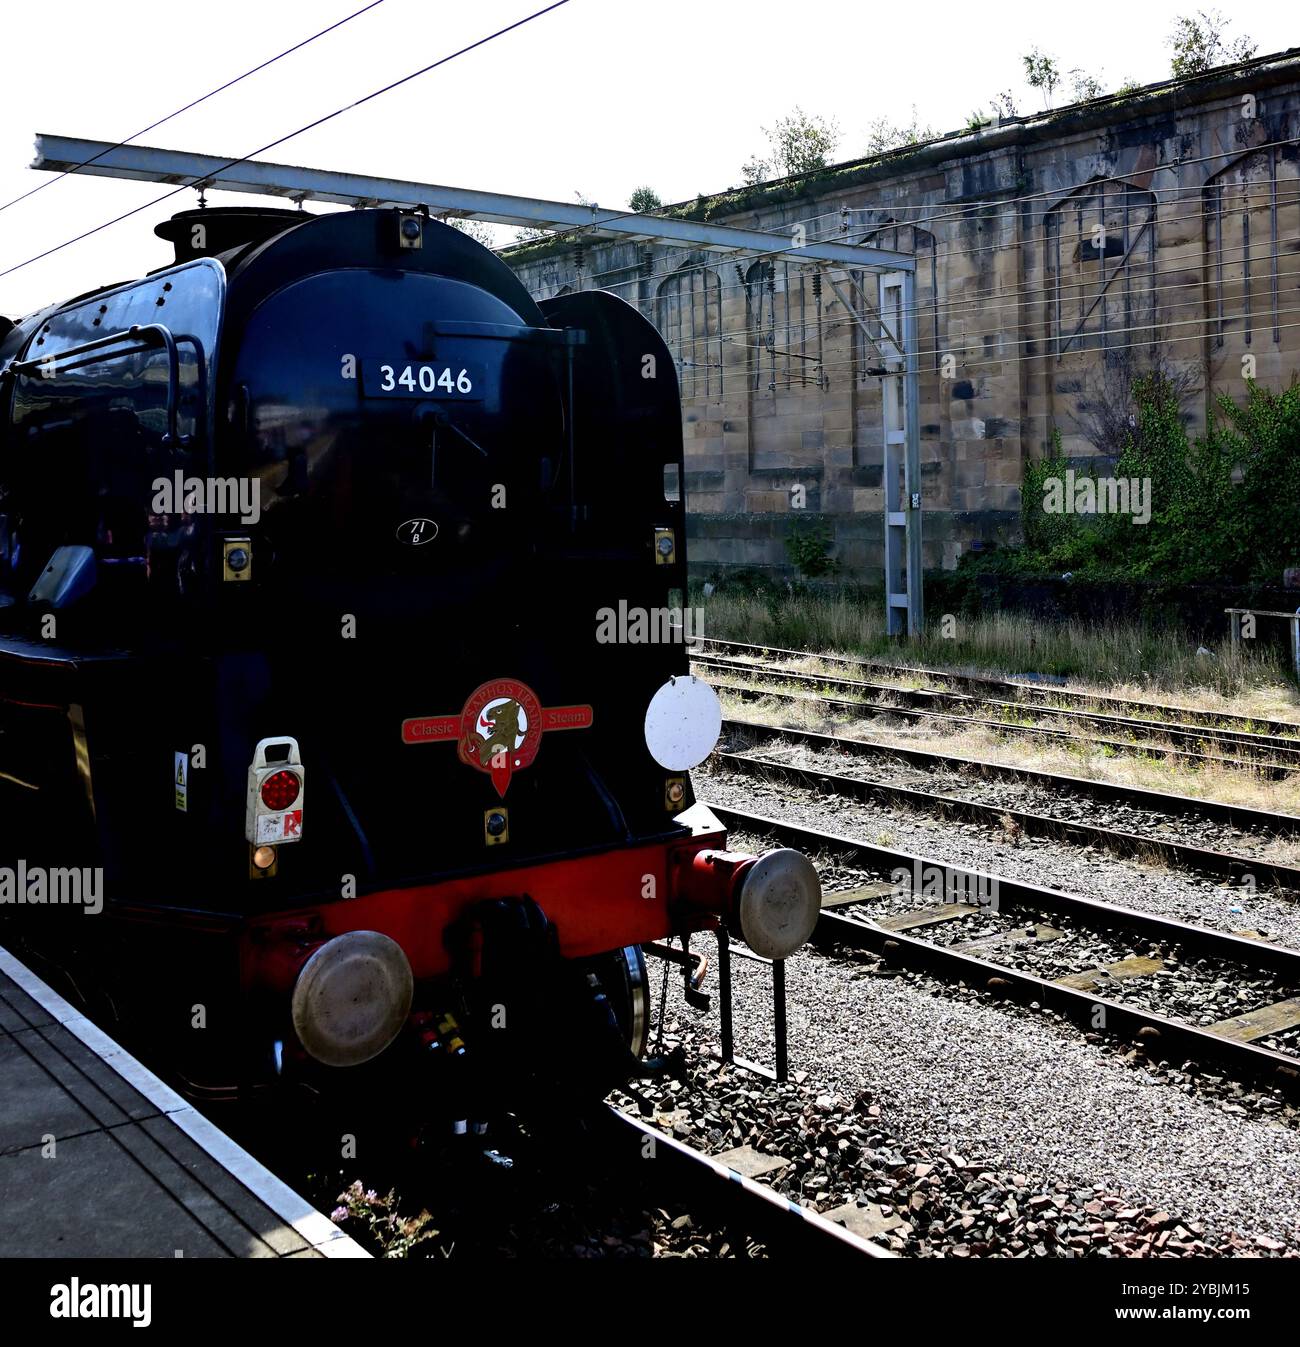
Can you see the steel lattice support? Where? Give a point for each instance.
(62, 154)
(904, 594)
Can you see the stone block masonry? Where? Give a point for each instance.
(1050, 250)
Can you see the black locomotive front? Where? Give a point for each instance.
(332, 503)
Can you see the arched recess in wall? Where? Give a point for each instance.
(780, 337)
(688, 314)
(1100, 270)
(1101, 326)
(547, 282)
(1251, 214)
(779, 331)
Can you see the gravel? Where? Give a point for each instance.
(1087, 871)
(978, 1088)
(924, 1198)
(1018, 1089)
(1029, 796)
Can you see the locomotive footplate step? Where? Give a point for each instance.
(99, 1158)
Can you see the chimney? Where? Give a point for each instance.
(219, 229)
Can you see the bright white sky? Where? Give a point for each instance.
(598, 97)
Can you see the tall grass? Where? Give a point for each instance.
(1132, 654)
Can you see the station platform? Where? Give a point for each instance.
(101, 1159)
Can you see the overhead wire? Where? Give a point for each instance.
(193, 103)
(1020, 294)
(812, 326)
(1285, 199)
(927, 308)
(586, 227)
(794, 380)
(310, 126)
(1160, 331)
(1183, 193)
(1158, 326)
(1087, 287)
(970, 366)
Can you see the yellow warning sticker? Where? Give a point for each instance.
(182, 782)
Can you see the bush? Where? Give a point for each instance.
(809, 549)
(1225, 506)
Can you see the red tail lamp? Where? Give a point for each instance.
(280, 790)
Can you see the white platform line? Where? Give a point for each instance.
(315, 1227)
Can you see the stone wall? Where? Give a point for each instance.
(1053, 254)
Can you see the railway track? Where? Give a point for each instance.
(1203, 860)
(1230, 815)
(1027, 694)
(734, 1198)
(1281, 762)
(610, 1170)
(927, 935)
(1283, 748)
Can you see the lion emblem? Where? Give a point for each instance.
(504, 732)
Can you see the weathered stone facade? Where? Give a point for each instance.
(1048, 248)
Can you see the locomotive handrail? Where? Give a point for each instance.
(201, 370)
(43, 366)
(558, 336)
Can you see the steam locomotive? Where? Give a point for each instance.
(330, 500)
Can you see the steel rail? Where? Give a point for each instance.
(1288, 749)
(1170, 1035)
(1273, 771)
(753, 1205)
(1221, 864)
(1020, 691)
(1199, 939)
(1235, 815)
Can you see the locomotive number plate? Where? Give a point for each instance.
(421, 379)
